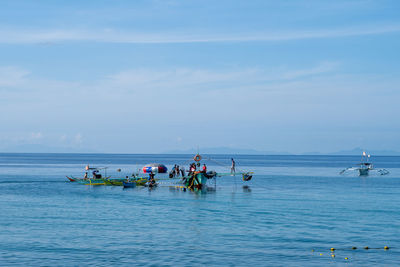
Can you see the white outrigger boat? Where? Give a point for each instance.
(365, 166)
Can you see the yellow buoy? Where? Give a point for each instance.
(333, 255)
(346, 258)
(320, 254)
(386, 248)
(312, 250)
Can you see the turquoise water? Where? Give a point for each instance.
(293, 204)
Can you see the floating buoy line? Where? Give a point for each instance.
(355, 248)
(332, 250)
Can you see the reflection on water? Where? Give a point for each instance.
(246, 189)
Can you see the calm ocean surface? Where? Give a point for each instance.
(293, 204)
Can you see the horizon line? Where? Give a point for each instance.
(395, 154)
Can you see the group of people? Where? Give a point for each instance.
(180, 171)
(177, 171)
(95, 173)
(193, 167)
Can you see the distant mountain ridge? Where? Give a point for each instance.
(230, 150)
(39, 148)
(359, 151)
(224, 150)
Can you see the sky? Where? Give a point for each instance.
(153, 76)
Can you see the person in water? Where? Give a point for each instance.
(173, 171)
(152, 181)
(233, 170)
(151, 176)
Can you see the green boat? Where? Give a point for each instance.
(115, 181)
(119, 181)
(97, 178)
(197, 180)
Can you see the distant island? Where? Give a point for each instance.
(39, 148)
(230, 150)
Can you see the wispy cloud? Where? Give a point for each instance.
(321, 68)
(15, 79)
(18, 36)
(162, 87)
(12, 76)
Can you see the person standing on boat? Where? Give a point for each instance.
(85, 176)
(204, 168)
(233, 170)
(192, 168)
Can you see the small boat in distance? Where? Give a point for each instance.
(365, 166)
(96, 175)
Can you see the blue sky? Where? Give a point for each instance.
(153, 76)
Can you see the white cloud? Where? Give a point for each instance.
(135, 94)
(22, 137)
(35, 136)
(21, 36)
(63, 137)
(78, 139)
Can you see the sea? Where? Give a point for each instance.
(291, 213)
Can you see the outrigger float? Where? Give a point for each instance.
(365, 166)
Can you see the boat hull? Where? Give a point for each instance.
(197, 181)
(129, 184)
(92, 181)
(119, 182)
(71, 179)
(115, 182)
(363, 172)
